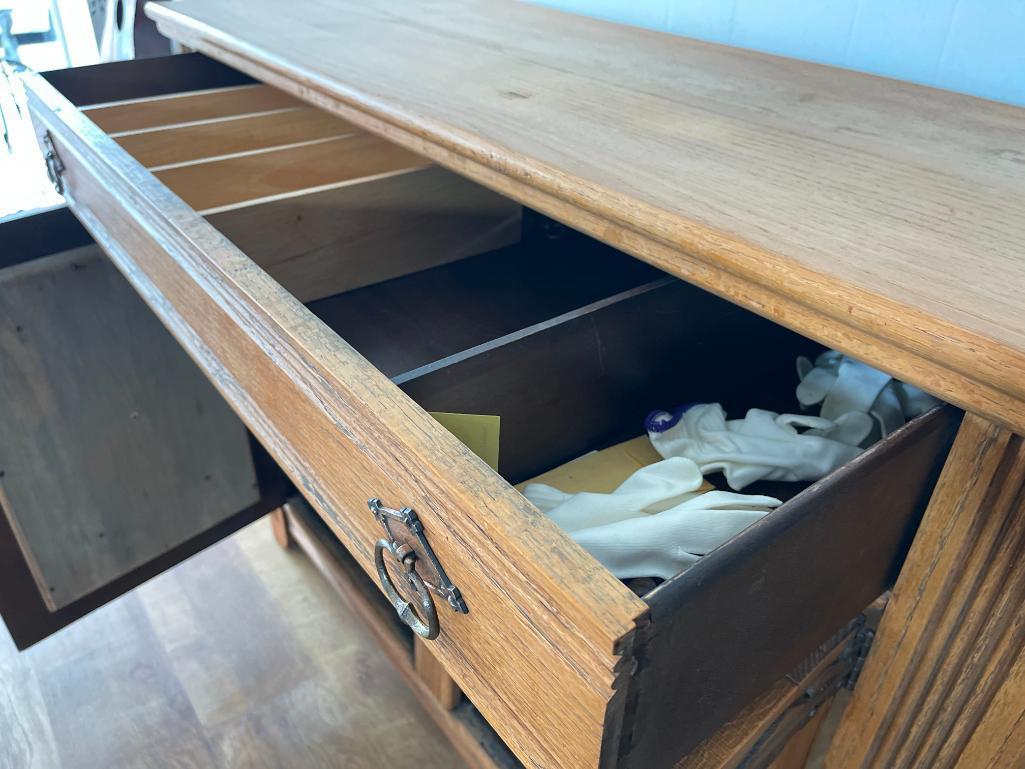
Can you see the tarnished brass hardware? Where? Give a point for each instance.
(408, 547)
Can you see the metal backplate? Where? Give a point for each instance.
(403, 527)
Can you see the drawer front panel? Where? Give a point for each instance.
(547, 638)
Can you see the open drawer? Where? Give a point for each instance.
(227, 210)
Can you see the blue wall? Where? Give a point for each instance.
(974, 46)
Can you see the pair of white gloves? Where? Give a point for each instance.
(657, 523)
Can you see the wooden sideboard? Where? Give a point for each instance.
(375, 211)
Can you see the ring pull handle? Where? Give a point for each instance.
(407, 545)
(423, 622)
(54, 164)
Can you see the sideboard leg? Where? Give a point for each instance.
(279, 525)
(944, 683)
(434, 675)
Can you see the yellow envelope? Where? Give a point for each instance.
(602, 471)
(478, 432)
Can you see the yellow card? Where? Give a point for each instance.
(478, 432)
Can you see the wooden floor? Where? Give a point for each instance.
(240, 657)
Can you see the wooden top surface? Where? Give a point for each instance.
(880, 217)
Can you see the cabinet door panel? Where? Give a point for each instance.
(115, 451)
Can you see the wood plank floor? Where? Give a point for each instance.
(241, 657)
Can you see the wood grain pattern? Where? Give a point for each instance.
(241, 657)
(325, 243)
(197, 141)
(796, 753)
(174, 109)
(343, 433)
(207, 185)
(942, 686)
(880, 218)
(115, 448)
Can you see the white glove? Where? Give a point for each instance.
(664, 544)
(651, 489)
(656, 523)
(762, 446)
(845, 386)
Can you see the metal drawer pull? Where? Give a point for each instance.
(54, 165)
(407, 545)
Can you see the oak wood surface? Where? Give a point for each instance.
(29, 620)
(208, 185)
(942, 686)
(177, 108)
(323, 243)
(798, 750)
(198, 141)
(343, 433)
(279, 527)
(878, 217)
(114, 447)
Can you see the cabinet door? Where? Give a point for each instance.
(117, 457)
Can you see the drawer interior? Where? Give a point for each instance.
(321, 205)
(471, 305)
(445, 286)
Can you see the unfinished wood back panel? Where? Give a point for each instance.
(425, 316)
(190, 107)
(550, 679)
(324, 243)
(113, 446)
(587, 379)
(884, 219)
(143, 78)
(198, 141)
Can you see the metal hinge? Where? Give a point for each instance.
(54, 164)
(860, 647)
(819, 689)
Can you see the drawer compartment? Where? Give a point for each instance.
(334, 287)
